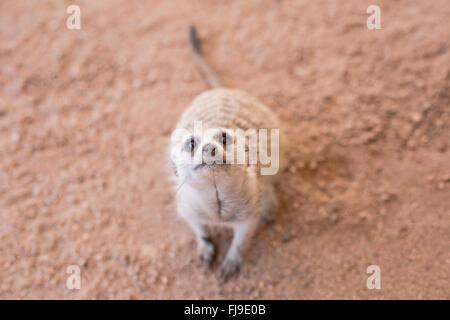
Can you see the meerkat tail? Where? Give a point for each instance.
(211, 77)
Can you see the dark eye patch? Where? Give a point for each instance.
(225, 139)
(191, 144)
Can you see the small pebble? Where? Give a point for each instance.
(416, 117)
(364, 214)
(313, 165)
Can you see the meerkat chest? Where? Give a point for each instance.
(214, 206)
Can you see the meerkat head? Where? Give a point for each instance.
(197, 156)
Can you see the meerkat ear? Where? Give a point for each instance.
(174, 168)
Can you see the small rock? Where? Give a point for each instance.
(416, 117)
(386, 196)
(87, 227)
(255, 295)
(364, 215)
(15, 136)
(411, 143)
(82, 262)
(35, 191)
(125, 260)
(334, 218)
(391, 111)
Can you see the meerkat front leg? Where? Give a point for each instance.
(205, 245)
(243, 232)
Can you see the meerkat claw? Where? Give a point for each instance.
(207, 252)
(230, 267)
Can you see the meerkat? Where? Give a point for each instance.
(215, 190)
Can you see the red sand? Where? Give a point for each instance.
(85, 116)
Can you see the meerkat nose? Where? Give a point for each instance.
(209, 150)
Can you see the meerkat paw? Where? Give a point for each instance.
(230, 266)
(206, 250)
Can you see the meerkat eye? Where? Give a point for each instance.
(226, 139)
(191, 144)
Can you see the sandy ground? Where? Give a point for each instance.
(85, 117)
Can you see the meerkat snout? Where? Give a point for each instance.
(209, 152)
